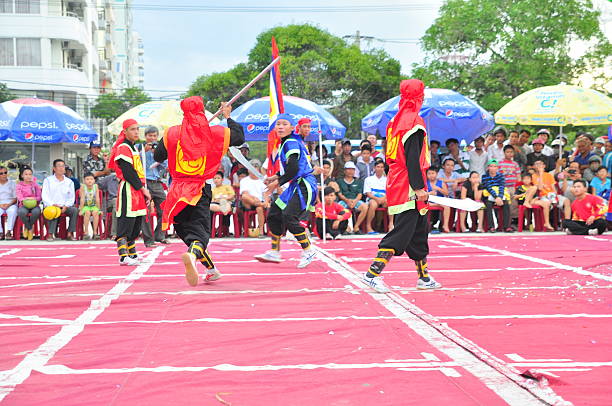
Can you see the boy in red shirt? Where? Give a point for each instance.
(587, 212)
(336, 216)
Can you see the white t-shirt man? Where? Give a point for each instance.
(254, 187)
(375, 185)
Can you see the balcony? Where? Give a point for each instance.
(53, 27)
(63, 79)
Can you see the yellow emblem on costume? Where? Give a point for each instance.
(138, 166)
(196, 167)
(392, 144)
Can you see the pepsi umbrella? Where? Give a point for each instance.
(44, 121)
(255, 114)
(447, 114)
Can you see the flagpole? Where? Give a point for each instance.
(249, 85)
(322, 179)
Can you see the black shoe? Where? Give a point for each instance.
(149, 244)
(163, 241)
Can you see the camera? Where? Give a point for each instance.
(571, 171)
(153, 145)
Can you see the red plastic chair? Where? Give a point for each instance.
(524, 216)
(222, 230)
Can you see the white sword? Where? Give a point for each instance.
(461, 204)
(240, 158)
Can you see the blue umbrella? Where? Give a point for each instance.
(42, 121)
(447, 114)
(254, 115)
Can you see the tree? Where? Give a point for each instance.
(109, 106)
(315, 65)
(508, 47)
(5, 93)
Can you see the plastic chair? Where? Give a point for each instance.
(222, 230)
(524, 215)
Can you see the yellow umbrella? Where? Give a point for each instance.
(161, 114)
(558, 106)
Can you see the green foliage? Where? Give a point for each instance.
(5, 93)
(315, 65)
(109, 106)
(512, 46)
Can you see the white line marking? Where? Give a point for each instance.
(540, 261)
(517, 358)
(562, 364)
(529, 316)
(596, 239)
(405, 290)
(66, 256)
(10, 252)
(40, 356)
(506, 382)
(44, 320)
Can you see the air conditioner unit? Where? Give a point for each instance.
(65, 44)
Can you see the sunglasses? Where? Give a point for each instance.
(3, 173)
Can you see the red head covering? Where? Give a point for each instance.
(302, 120)
(195, 135)
(412, 92)
(126, 124)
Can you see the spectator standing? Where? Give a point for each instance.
(336, 216)
(343, 158)
(375, 188)
(245, 150)
(607, 159)
(58, 191)
(8, 203)
(600, 185)
(523, 143)
(478, 156)
(94, 163)
(583, 151)
(538, 154)
(436, 187)
(512, 173)
(594, 163)
(544, 134)
(350, 194)
(472, 189)
(28, 189)
(519, 155)
(495, 193)
(253, 196)
(154, 173)
(110, 184)
(461, 158)
(365, 162)
(327, 179)
(496, 150)
(588, 212)
(599, 146)
(89, 205)
(451, 178)
(375, 152)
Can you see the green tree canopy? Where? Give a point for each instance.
(5, 93)
(315, 65)
(494, 50)
(109, 106)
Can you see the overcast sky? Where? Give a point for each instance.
(181, 45)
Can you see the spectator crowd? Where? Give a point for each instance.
(514, 174)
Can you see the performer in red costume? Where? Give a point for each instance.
(408, 158)
(194, 151)
(132, 197)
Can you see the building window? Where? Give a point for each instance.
(28, 52)
(6, 6)
(20, 6)
(7, 52)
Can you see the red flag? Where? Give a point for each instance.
(276, 107)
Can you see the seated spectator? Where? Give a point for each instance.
(587, 212)
(478, 156)
(450, 177)
(495, 193)
(566, 180)
(538, 147)
(223, 195)
(350, 194)
(89, 205)
(365, 162)
(583, 152)
(327, 179)
(460, 158)
(74, 179)
(594, 163)
(436, 187)
(28, 199)
(8, 203)
(526, 194)
(545, 189)
(376, 154)
(601, 184)
(375, 188)
(110, 184)
(253, 196)
(336, 216)
(472, 189)
(599, 146)
(58, 191)
(434, 150)
(512, 173)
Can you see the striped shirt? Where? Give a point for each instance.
(490, 183)
(511, 171)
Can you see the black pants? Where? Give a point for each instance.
(129, 227)
(159, 196)
(489, 212)
(328, 227)
(581, 228)
(72, 213)
(288, 218)
(409, 235)
(193, 222)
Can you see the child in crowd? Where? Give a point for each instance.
(496, 194)
(525, 195)
(89, 205)
(600, 184)
(472, 189)
(28, 198)
(436, 187)
(336, 216)
(223, 195)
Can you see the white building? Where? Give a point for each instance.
(67, 51)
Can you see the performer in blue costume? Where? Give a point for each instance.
(299, 195)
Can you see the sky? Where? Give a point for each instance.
(182, 45)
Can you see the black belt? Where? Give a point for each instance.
(158, 181)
